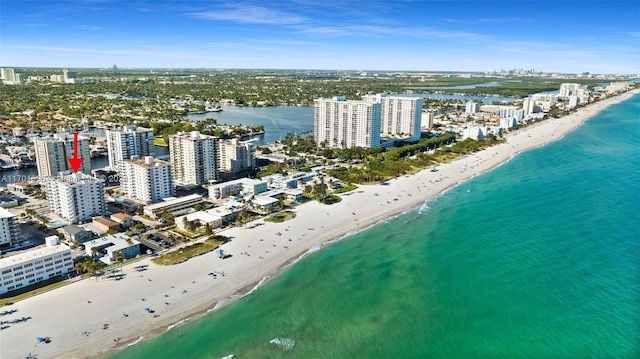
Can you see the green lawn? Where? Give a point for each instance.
(280, 217)
(193, 250)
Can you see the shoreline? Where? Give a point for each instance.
(185, 292)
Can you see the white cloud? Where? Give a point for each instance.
(250, 14)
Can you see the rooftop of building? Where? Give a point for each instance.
(174, 200)
(105, 221)
(4, 213)
(193, 135)
(26, 256)
(122, 217)
(147, 162)
(114, 242)
(204, 216)
(244, 181)
(73, 229)
(74, 178)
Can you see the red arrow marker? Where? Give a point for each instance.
(75, 161)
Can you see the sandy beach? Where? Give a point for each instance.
(88, 317)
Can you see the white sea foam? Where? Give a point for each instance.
(136, 342)
(178, 323)
(264, 279)
(284, 343)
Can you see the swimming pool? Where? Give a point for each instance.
(57, 224)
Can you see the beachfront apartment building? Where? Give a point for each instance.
(528, 106)
(127, 142)
(508, 112)
(199, 219)
(107, 247)
(194, 158)
(27, 268)
(9, 227)
(235, 155)
(53, 153)
(339, 123)
(76, 197)
(474, 132)
(294, 180)
(172, 205)
(242, 187)
(146, 179)
(400, 116)
(573, 89)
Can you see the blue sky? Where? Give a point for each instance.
(552, 36)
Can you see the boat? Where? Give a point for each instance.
(213, 109)
(9, 166)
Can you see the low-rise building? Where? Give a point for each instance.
(290, 194)
(290, 181)
(30, 267)
(106, 247)
(200, 218)
(8, 201)
(228, 213)
(75, 233)
(123, 219)
(263, 204)
(172, 205)
(241, 187)
(105, 224)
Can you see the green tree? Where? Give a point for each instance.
(119, 258)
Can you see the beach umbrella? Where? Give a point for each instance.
(146, 309)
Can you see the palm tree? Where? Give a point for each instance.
(94, 251)
(92, 267)
(119, 258)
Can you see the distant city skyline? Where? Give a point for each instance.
(411, 35)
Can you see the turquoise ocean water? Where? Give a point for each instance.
(538, 258)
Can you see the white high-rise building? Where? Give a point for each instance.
(75, 197)
(472, 107)
(53, 153)
(194, 158)
(427, 119)
(399, 116)
(9, 76)
(9, 227)
(529, 106)
(147, 179)
(235, 155)
(338, 123)
(69, 75)
(508, 112)
(571, 89)
(128, 142)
